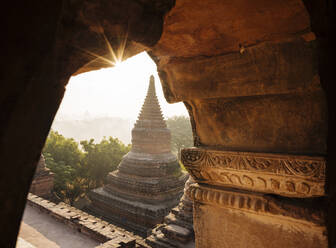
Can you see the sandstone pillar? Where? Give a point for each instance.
(251, 81)
(259, 164)
(259, 199)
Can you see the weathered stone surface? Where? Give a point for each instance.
(211, 28)
(39, 229)
(221, 176)
(232, 228)
(261, 123)
(95, 228)
(309, 211)
(287, 175)
(247, 218)
(177, 229)
(237, 104)
(290, 68)
(253, 104)
(43, 181)
(149, 181)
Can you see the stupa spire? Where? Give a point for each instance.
(150, 133)
(150, 115)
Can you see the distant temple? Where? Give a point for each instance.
(43, 180)
(149, 181)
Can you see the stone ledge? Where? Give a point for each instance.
(310, 214)
(286, 175)
(89, 225)
(159, 240)
(178, 233)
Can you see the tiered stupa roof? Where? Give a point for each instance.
(150, 134)
(150, 115)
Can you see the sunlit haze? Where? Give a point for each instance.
(114, 92)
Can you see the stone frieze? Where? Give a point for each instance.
(287, 175)
(254, 203)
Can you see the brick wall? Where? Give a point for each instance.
(111, 236)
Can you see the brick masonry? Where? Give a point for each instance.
(109, 235)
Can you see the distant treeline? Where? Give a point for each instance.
(81, 167)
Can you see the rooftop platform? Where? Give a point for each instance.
(40, 230)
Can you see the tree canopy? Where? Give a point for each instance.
(79, 170)
(181, 134)
(100, 159)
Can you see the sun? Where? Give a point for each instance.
(117, 63)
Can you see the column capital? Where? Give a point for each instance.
(282, 174)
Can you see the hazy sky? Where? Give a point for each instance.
(117, 92)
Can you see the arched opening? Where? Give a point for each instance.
(102, 105)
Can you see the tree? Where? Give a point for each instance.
(76, 171)
(63, 173)
(181, 134)
(63, 157)
(100, 159)
(63, 149)
(74, 190)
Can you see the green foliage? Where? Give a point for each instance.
(74, 190)
(78, 171)
(63, 157)
(181, 134)
(63, 149)
(102, 158)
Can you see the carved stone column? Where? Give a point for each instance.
(256, 96)
(260, 199)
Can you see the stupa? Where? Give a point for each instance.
(177, 229)
(43, 181)
(148, 182)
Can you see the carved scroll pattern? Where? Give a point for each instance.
(288, 175)
(252, 203)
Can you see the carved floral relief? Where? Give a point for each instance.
(288, 175)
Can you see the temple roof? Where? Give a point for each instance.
(150, 115)
(150, 134)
